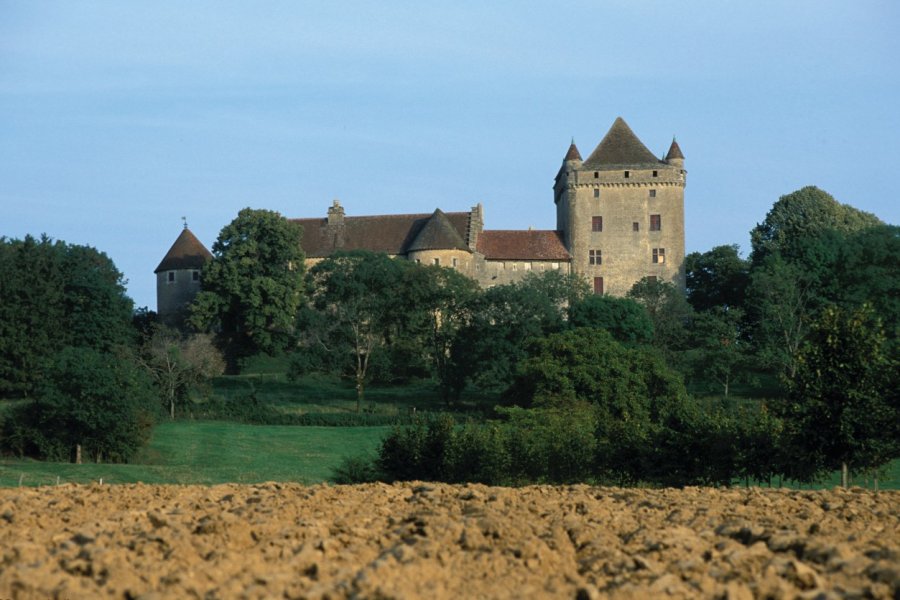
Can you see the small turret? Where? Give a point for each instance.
(674, 157)
(573, 156)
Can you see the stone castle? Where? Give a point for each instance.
(619, 218)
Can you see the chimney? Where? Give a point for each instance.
(336, 214)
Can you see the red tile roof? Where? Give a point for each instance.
(522, 245)
(186, 253)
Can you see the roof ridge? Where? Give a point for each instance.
(620, 146)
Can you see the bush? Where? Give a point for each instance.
(356, 469)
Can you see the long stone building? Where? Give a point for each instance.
(619, 218)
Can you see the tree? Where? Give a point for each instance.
(717, 350)
(55, 295)
(179, 364)
(718, 277)
(350, 309)
(800, 215)
(624, 318)
(843, 407)
(504, 318)
(252, 288)
(91, 403)
(669, 312)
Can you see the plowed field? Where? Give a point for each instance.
(442, 541)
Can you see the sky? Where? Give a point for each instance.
(117, 119)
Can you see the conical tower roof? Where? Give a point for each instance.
(573, 153)
(674, 151)
(620, 146)
(437, 234)
(186, 253)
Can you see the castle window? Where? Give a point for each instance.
(651, 278)
(195, 275)
(596, 174)
(170, 277)
(659, 256)
(655, 223)
(515, 267)
(653, 193)
(655, 173)
(627, 174)
(597, 193)
(436, 261)
(596, 223)
(635, 226)
(595, 257)
(598, 286)
(455, 262)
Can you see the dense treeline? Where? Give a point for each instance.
(570, 386)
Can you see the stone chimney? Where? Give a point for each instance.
(476, 225)
(336, 214)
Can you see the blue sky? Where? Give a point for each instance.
(119, 118)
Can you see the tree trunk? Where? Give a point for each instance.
(77, 454)
(360, 392)
(875, 482)
(845, 475)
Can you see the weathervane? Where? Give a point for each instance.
(184, 220)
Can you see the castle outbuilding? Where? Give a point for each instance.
(619, 218)
(178, 276)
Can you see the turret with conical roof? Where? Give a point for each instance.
(621, 212)
(178, 276)
(674, 156)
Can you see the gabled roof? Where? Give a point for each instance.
(619, 147)
(391, 234)
(438, 234)
(674, 151)
(186, 253)
(522, 245)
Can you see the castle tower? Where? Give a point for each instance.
(178, 277)
(621, 212)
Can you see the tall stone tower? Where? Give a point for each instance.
(178, 277)
(621, 212)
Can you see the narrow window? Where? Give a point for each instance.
(597, 193)
(455, 262)
(655, 173)
(598, 285)
(436, 261)
(653, 193)
(635, 226)
(595, 257)
(596, 223)
(655, 223)
(170, 276)
(627, 174)
(659, 256)
(195, 275)
(596, 174)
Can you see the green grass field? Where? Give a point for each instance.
(185, 452)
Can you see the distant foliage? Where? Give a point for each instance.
(55, 295)
(93, 403)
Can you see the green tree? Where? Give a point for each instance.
(252, 288)
(504, 319)
(669, 312)
(800, 215)
(843, 408)
(91, 403)
(624, 318)
(55, 295)
(717, 351)
(718, 277)
(179, 364)
(350, 310)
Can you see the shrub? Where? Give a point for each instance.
(356, 469)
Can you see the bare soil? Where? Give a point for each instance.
(440, 541)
